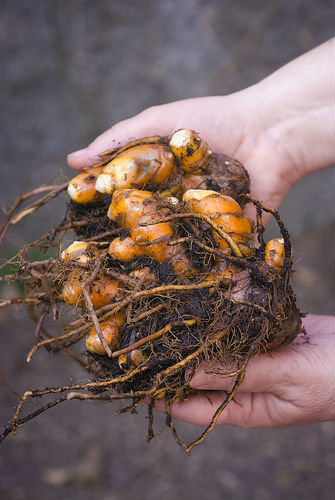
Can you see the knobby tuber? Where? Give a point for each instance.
(165, 270)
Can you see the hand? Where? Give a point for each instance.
(280, 128)
(230, 124)
(292, 385)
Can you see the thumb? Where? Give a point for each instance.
(196, 113)
(156, 120)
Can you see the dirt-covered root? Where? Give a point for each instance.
(153, 269)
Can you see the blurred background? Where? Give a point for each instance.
(69, 70)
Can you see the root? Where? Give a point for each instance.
(178, 308)
(25, 300)
(160, 290)
(170, 424)
(218, 412)
(45, 342)
(52, 191)
(150, 337)
(39, 203)
(131, 408)
(89, 304)
(8, 385)
(20, 421)
(108, 383)
(284, 232)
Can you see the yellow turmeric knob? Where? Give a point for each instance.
(125, 249)
(128, 206)
(140, 166)
(143, 274)
(131, 207)
(226, 213)
(110, 331)
(72, 292)
(190, 149)
(275, 253)
(80, 251)
(102, 291)
(134, 210)
(193, 195)
(132, 359)
(81, 188)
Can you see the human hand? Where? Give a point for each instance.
(229, 124)
(281, 130)
(269, 127)
(292, 385)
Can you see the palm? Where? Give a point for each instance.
(236, 125)
(231, 125)
(274, 390)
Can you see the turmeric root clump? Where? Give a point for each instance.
(165, 271)
(136, 212)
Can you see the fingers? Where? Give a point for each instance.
(318, 324)
(283, 387)
(263, 373)
(200, 114)
(276, 370)
(117, 135)
(247, 410)
(157, 120)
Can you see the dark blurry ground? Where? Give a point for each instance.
(68, 71)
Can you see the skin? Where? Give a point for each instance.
(281, 129)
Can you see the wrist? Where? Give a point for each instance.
(298, 106)
(306, 132)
